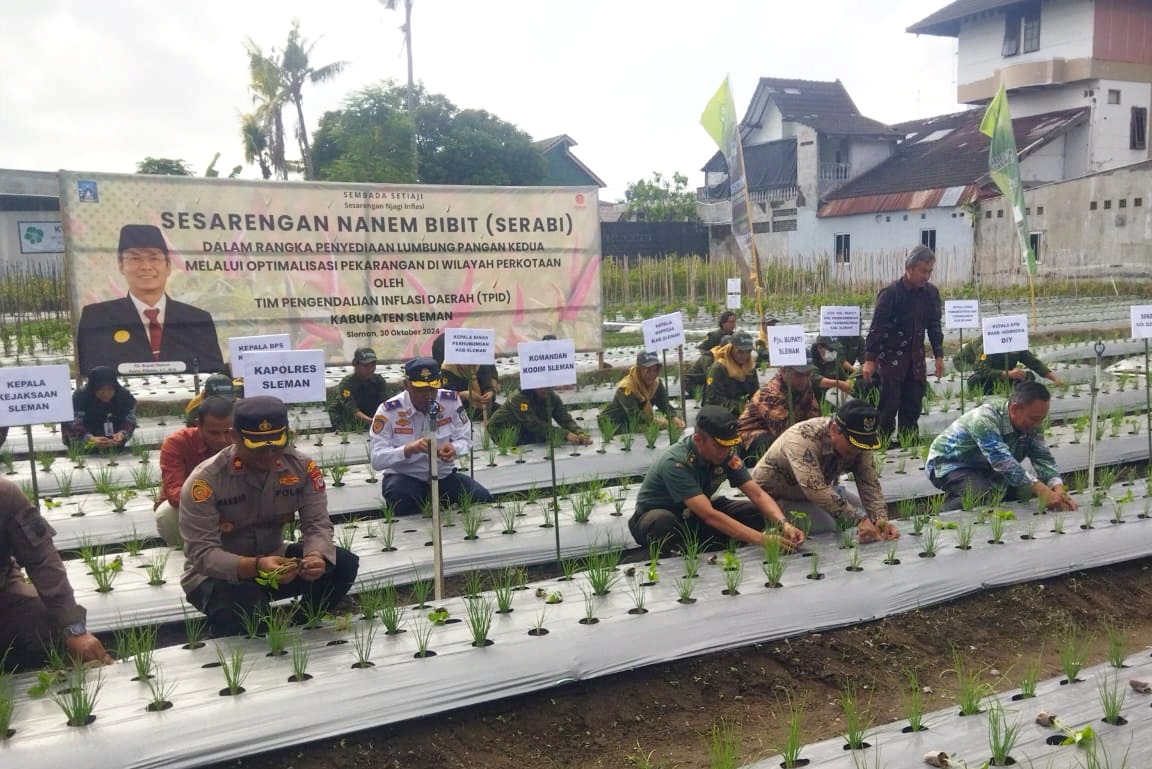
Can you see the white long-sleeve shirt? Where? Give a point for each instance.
(397, 422)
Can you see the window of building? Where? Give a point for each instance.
(1039, 210)
(999, 213)
(1092, 206)
(1113, 95)
(928, 238)
(784, 225)
(1137, 202)
(1021, 29)
(1107, 205)
(760, 227)
(843, 248)
(1138, 129)
(1122, 203)
(1032, 29)
(1035, 242)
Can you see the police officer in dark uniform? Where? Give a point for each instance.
(232, 512)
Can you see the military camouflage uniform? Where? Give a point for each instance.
(802, 465)
(722, 389)
(353, 394)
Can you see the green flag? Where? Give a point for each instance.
(1004, 166)
(719, 120)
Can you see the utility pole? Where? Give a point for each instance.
(410, 97)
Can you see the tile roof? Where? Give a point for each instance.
(949, 151)
(946, 21)
(770, 165)
(823, 105)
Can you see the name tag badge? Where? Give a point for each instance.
(109, 429)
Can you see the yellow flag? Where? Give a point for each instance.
(719, 115)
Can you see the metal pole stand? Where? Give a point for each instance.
(1099, 348)
(434, 492)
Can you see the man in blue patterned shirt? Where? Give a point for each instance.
(983, 450)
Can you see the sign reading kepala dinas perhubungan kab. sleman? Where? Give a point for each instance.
(335, 266)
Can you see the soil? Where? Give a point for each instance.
(660, 716)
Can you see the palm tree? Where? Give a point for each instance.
(269, 98)
(255, 143)
(295, 71)
(410, 98)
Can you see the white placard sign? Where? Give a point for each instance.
(1005, 333)
(32, 395)
(470, 346)
(961, 313)
(734, 301)
(839, 320)
(547, 364)
(238, 346)
(786, 346)
(1142, 321)
(293, 376)
(663, 332)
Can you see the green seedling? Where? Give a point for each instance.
(1030, 677)
(589, 617)
(971, 689)
(600, 569)
(64, 481)
(965, 530)
(119, 498)
(929, 543)
(234, 670)
(1112, 693)
(142, 477)
(160, 692)
(138, 642)
(608, 430)
(363, 637)
(854, 561)
(504, 583)
(723, 745)
(890, 559)
(78, 698)
(478, 614)
(277, 621)
(856, 721)
(422, 634)
(1002, 735)
(195, 626)
(1058, 521)
(790, 753)
(733, 578)
(300, 654)
(636, 591)
(998, 523)
(1115, 651)
(685, 587)
(105, 571)
(271, 578)
(914, 702)
(774, 564)
(918, 524)
(1073, 652)
(473, 584)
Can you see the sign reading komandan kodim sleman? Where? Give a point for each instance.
(335, 266)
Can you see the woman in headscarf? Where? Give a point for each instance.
(636, 395)
(105, 413)
(732, 380)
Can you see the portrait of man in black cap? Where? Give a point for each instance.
(146, 325)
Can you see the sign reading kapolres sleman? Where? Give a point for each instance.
(168, 268)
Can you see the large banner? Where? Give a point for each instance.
(168, 268)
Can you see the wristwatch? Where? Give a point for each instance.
(76, 629)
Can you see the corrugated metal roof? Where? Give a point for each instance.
(911, 200)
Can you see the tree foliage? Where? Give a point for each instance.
(277, 79)
(163, 167)
(370, 140)
(660, 199)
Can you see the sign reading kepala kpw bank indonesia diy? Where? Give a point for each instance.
(32, 395)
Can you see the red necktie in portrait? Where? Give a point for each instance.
(155, 331)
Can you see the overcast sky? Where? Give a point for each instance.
(97, 85)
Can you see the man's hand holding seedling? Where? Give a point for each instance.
(275, 570)
(1055, 498)
(875, 531)
(311, 567)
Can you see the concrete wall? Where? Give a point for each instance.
(1111, 123)
(1098, 227)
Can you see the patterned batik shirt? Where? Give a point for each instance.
(802, 465)
(900, 320)
(984, 439)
